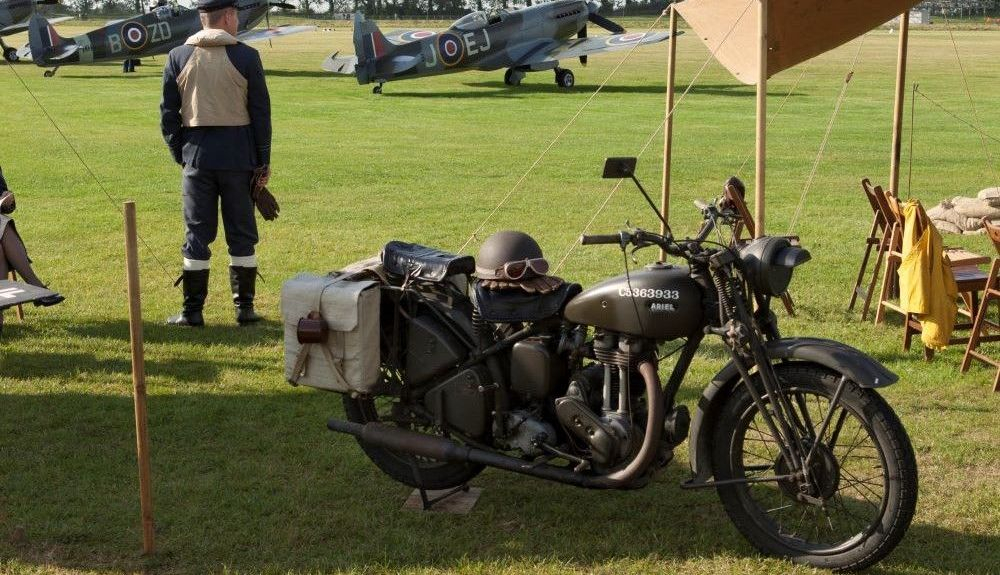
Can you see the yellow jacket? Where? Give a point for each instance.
(926, 285)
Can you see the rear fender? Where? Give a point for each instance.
(841, 358)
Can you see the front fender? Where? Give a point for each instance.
(839, 357)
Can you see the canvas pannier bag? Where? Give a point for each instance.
(343, 357)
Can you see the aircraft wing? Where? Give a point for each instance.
(13, 293)
(575, 47)
(344, 65)
(266, 33)
(23, 27)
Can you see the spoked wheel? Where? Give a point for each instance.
(429, 473)
(862, 489)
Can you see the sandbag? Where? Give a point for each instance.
(974, 208)
(989, 194)
(946, 227)
(347, 358)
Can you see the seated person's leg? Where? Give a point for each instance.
(16, 256)
(13, 255)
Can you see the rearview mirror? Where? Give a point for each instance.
(619, 168)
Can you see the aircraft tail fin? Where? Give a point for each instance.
(369, 45)
(46, 44)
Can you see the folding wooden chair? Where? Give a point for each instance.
(746, 224)
(969, 279)
(990, 293)
(20, 310)
(878, 240)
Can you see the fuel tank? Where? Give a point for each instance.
(659, 302)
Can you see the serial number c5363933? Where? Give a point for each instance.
(650, 293)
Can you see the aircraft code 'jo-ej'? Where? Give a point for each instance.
(531, 39)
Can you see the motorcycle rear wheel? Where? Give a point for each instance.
(864, 474)
(429, 473)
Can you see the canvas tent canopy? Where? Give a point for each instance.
(755, 39)
(797, 30)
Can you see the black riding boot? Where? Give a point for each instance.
(243, 280)
(195, 291)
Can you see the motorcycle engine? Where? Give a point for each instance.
(526, 433)
(605, 388)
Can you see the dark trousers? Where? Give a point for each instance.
(202, 190)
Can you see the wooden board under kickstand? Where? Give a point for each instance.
(460, 502)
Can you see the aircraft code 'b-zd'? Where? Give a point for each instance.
(14, 16)
(156, 32)
(527, 40)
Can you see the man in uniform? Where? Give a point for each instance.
(216, 120)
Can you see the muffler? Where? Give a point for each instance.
(443, 449)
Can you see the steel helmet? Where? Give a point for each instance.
(512, 259)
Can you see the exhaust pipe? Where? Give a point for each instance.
(442, 449)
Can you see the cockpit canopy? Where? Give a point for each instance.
(479, 19)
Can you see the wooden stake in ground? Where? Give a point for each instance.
(897, 108)
(138, 378)
(762, 72)
(668, 128)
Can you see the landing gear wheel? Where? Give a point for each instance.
(50, 73)
(861, 492)
(432, 474)
(513, 77)
(377, 89)
(10, 54)
(565, 78)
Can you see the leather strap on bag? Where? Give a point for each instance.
(302, 358)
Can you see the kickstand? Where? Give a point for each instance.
(428, 502)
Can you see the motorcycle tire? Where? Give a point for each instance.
(430, 473)
(864, 473)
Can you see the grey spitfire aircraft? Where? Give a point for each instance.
(14, 16)
(157, 32)
(531, 39)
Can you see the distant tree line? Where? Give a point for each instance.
(962, 8)
(376, 8)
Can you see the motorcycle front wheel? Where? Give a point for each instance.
(415, 471)
(862, 491)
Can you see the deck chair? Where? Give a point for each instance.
(990, 293)
(20, 309)
(969, 279)
(877, 240)
(745, 224)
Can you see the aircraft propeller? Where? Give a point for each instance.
(593, 16)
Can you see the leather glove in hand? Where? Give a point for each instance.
(265, 201)
(7, 203)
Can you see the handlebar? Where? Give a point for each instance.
(601, 239)
(640, 238)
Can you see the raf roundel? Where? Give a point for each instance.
(414, 35)
(451, 49)
(624, 39)
(134, 35)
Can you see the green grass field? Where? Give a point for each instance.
(246, 477)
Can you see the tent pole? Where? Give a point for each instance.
(668, 128)
(897, 112)
(761, 119)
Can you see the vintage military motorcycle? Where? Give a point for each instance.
(808, 460)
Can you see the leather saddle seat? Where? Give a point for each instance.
(515, 305)
(424, 263)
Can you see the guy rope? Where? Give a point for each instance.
(86, 166)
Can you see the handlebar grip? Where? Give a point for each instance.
(601, 239)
